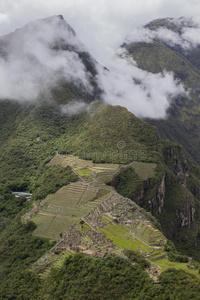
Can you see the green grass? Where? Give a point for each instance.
(102, 193)
(124, 228)
(67, 211)
(120, 230)
(68, 204)
(118, 238)
(166, 264)
(84, 172)
(121, 242)
(51, 226)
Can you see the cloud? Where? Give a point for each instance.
(100, 24)
(192, 35)
(145, 94)
(187, 34)
(74, 107)
(31, 61)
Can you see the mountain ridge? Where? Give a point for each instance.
(181, 124)
(47, 147)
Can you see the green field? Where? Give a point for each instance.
(50, 226)
(141, 241)
(84, 172)
(65, 207)
(75, 200)
(83, 167)
(166, 264)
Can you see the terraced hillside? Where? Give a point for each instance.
(92, 218)
(60, 210)
(116, 224)
(89, 216)
(70, 203)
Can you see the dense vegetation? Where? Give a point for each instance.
(32, 133)
(111, 277)
(171, 195)
(105, 134)
(182, 124)
(18, 250)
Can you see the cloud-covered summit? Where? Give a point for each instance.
(36, 57)
(183, 32)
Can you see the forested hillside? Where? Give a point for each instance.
(168, 46)
(103, 181)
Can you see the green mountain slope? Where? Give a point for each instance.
(46, 130)
(47, 145)
(182, 123)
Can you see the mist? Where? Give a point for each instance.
(32, 63)
(74, 107)
(35, 58)
(145, 94)
(187, 35)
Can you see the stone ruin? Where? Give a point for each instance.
(93, 217)
(90, 241)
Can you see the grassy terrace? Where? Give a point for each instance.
(54, 261)
(166, 264)
(123, 238)
(72, 202)
(120, 235)
(49, 226)
(64, 208)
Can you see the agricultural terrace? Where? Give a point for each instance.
(60, 210)
(70, 203)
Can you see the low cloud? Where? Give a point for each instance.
(31, 61)
(73, 108)
(186, 35)
(145, 94)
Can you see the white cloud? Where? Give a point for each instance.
(187, 37)
(192, 35)
(102, 26)
(145, 94)
(99, 24)
(74, 107)
(32, 65)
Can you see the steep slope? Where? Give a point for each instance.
(170, 44)
(62, 121)
(48, 76)
(46, 130)
(45, 59)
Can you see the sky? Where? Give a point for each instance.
(101, 24)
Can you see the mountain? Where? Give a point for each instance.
(171, 44)
(102, 180)
(46, 58)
